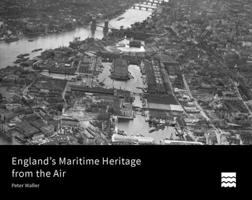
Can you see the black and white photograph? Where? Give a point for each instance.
(126, 73)
(102, 72)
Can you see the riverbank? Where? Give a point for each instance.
(84, 97)
(23, 19)
(9, 51)
(33, 98)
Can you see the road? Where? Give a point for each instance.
(217, 131)
(195, 101)
(64, 91)
(78, 67)
(240, 97)
(25, 91)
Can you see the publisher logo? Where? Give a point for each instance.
(228, 179)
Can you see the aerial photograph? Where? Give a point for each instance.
(125, 72)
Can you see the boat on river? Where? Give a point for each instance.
(153, 130)
(120, 18)
(20, 60)
(23, 55)
(12, 39)
(36, 50)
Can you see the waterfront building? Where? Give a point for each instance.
(70, 122)
(163, 103)
(126, 111)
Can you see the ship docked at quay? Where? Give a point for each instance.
(160, 77)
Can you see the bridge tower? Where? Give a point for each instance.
(93, 26)
(105, 28)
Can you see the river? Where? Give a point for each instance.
(9, 52)
(138, 125)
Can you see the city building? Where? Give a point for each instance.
(119, 69)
